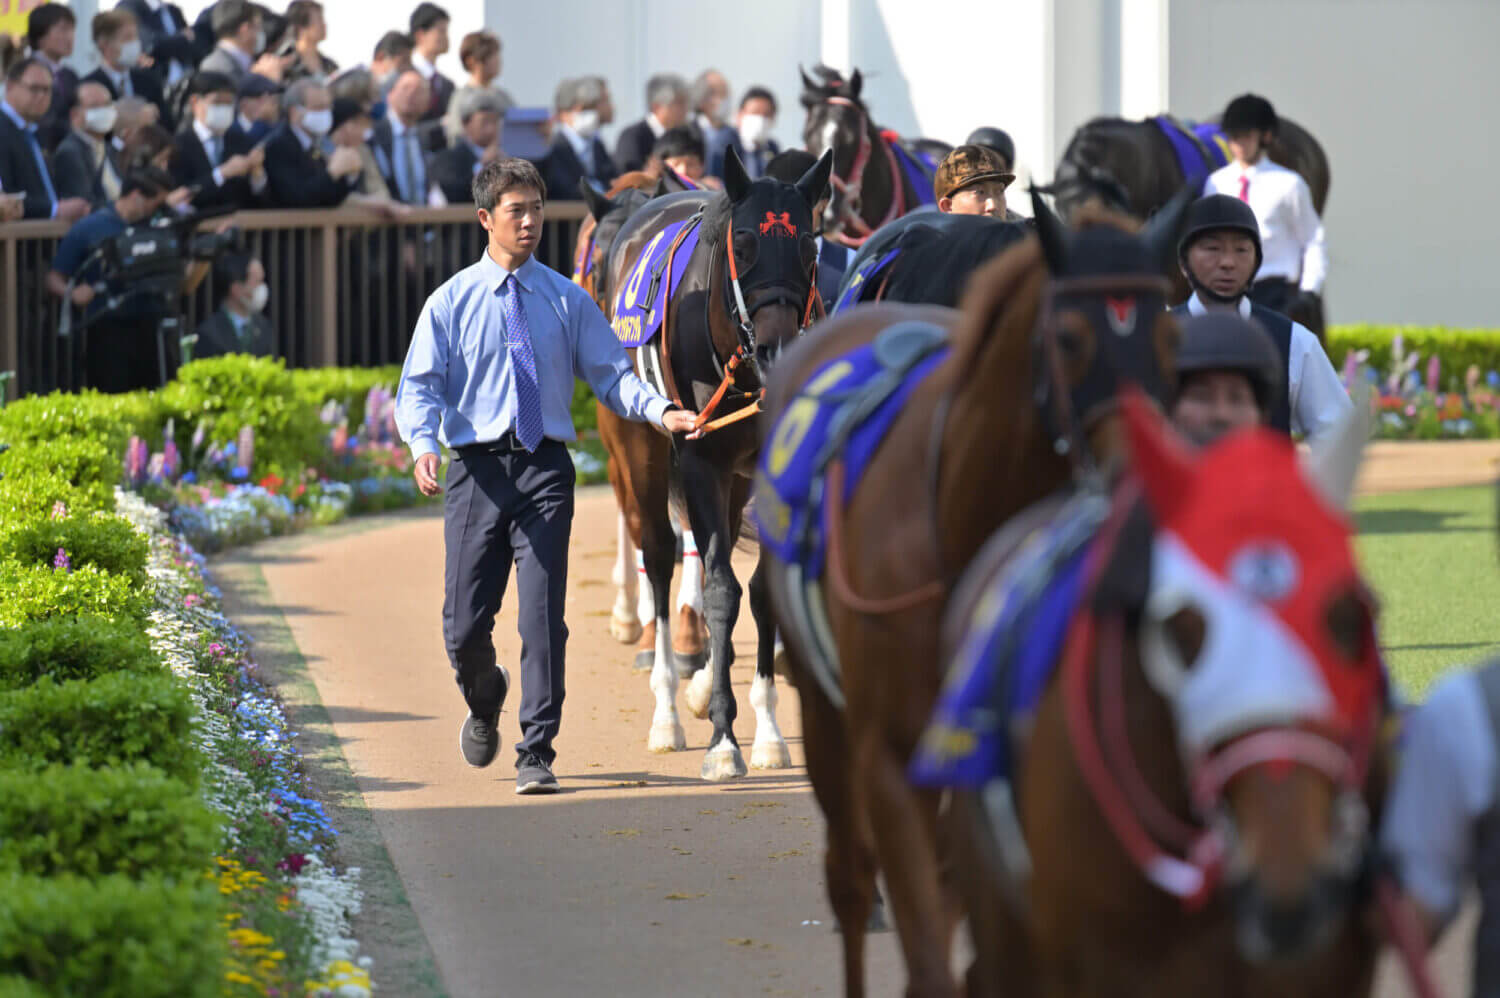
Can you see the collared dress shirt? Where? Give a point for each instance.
(1291, 233)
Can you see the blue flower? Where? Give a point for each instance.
(189, 477)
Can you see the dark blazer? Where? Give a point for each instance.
(634, 146)
(74, 173)
(755, 163)
(143, 83)
(216, 337)
(561, 169)
(442, 93)
(166, 45)
(55, 124)
(382, 143)
(453, 171)
(191, 165)
(298, 178)
(19, 172)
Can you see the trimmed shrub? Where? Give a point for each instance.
(33, 494)
(94, 822)
(65, 648)
(348, 386)
(104, 540)
(236, 391)
(37, 592)
(88, 415)
(112, 937)
(1456, 348)
(92, 467)
(115, 720)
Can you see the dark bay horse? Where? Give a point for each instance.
(876, 176)
(1133, 167)
(726, 281)
(924, 258)
(1194, 786)
(1021, 399)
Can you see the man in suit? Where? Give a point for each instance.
(117, 39)
(82, 166)
(166, 38)
(202, 160)
(240, 325)
(478, 143)
(259, 111)
(429, 35)
(237, 26)
(400, 139)
(50, 29)
(667, 99)
(750, 136)
(23, 164)
(576, 152)
(300, 175)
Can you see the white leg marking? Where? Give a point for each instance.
(666, 730)
(624, 621)
(645, 608)
(690, 592)
(723, 761)
(769, 750)
(700, 688)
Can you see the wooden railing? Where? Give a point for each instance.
(346, 285)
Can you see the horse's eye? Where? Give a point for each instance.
(1074, 335)
(1185, 631)
(1349, 625)
(746, 247)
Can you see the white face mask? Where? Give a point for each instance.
(259, 297)
(754, 128)
(100, 120)
(130, 52)
(586, 122)
(317, 123)
(218, 117)
(260, 42)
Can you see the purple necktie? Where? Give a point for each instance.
(523, 365)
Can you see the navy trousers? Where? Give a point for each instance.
(502, 507)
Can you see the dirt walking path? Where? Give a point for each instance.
(638, 879)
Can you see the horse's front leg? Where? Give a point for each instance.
(769, 750)
(706, 490)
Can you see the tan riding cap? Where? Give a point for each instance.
(967, 165)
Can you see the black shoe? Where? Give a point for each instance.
(533, 776)
(479, 738)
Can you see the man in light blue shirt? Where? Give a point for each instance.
(490, 374)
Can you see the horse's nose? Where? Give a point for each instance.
(1274, 930)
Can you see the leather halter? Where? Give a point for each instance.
(850, 188)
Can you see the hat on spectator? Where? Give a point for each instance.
(968, 165)
(255, 85)
(344, 109)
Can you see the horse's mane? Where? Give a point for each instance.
(936, 259)
(717, 212)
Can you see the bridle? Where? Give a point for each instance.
(850, 188)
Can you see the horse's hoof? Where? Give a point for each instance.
(645, 661)
(627, 632)
(699, 689)
(723, 764)
(689, 662)
(666, 736)
(770, 755)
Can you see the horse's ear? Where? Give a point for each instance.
(807, 81)
(1160, 233)
(855, 82)
(1053, 233)
(1161, 461)
(814, 182)
(598, 204)
(736, 180)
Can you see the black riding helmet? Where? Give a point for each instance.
(996, 139)
(1226, 341)
(1217, 213)
(1249, 113)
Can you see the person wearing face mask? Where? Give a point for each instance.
(258, 112)
(1229, 377)
(237, 26)
(82, 166)
(117, 39)
(576, 153)
(120, 353)
(240, 325)
(301, 176)
(751, 135)
(204, 161)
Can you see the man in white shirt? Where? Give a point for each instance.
(1291, 233)
(1220, 253)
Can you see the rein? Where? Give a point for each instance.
(851, 187)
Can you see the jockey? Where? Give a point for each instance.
(1229, 377)
(971, 180)
(1290, 230)
(1220, 253)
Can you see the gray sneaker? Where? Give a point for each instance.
(479, 737)
(533, 776)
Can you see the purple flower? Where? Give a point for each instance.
(61, 561)
(171, 460)
(1434, 371)
(136, 459)
(246, 449)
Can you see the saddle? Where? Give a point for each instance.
(660, 268)
(1197, 152)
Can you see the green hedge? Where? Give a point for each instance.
(108, 419)
(89, 465)
(37, 592)
(121, 718)
(64, 648)
(94, 822)
(348, 386)
(1457, 349)
(233, 392)
(33, 493)
(104, 540)
(112, 937)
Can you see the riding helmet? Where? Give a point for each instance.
(1216, 213)
(1226, 341)
(1249, 113)
(996, 139)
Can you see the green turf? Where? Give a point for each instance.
(1431, 556)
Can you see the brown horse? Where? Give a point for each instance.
(1022, 400)
(1220, 691)
(728, 277)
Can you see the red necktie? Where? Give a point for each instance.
(1245, 187)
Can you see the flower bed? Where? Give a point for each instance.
(1412, 400)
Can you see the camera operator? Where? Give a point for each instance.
(121, 352)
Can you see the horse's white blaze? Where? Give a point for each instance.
(700, 689)
(666, 730)
(723, 761)
(690, 592)
(624, 621)
(769, 750)
(830, 136)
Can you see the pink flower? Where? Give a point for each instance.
(1411, 411)
(59, 510)
(293, 863)
(216, 649)
(1434, 371)
(191, 600)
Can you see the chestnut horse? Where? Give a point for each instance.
(1021, 401)
(1195, 782)
(745, 293)
(872, 184)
